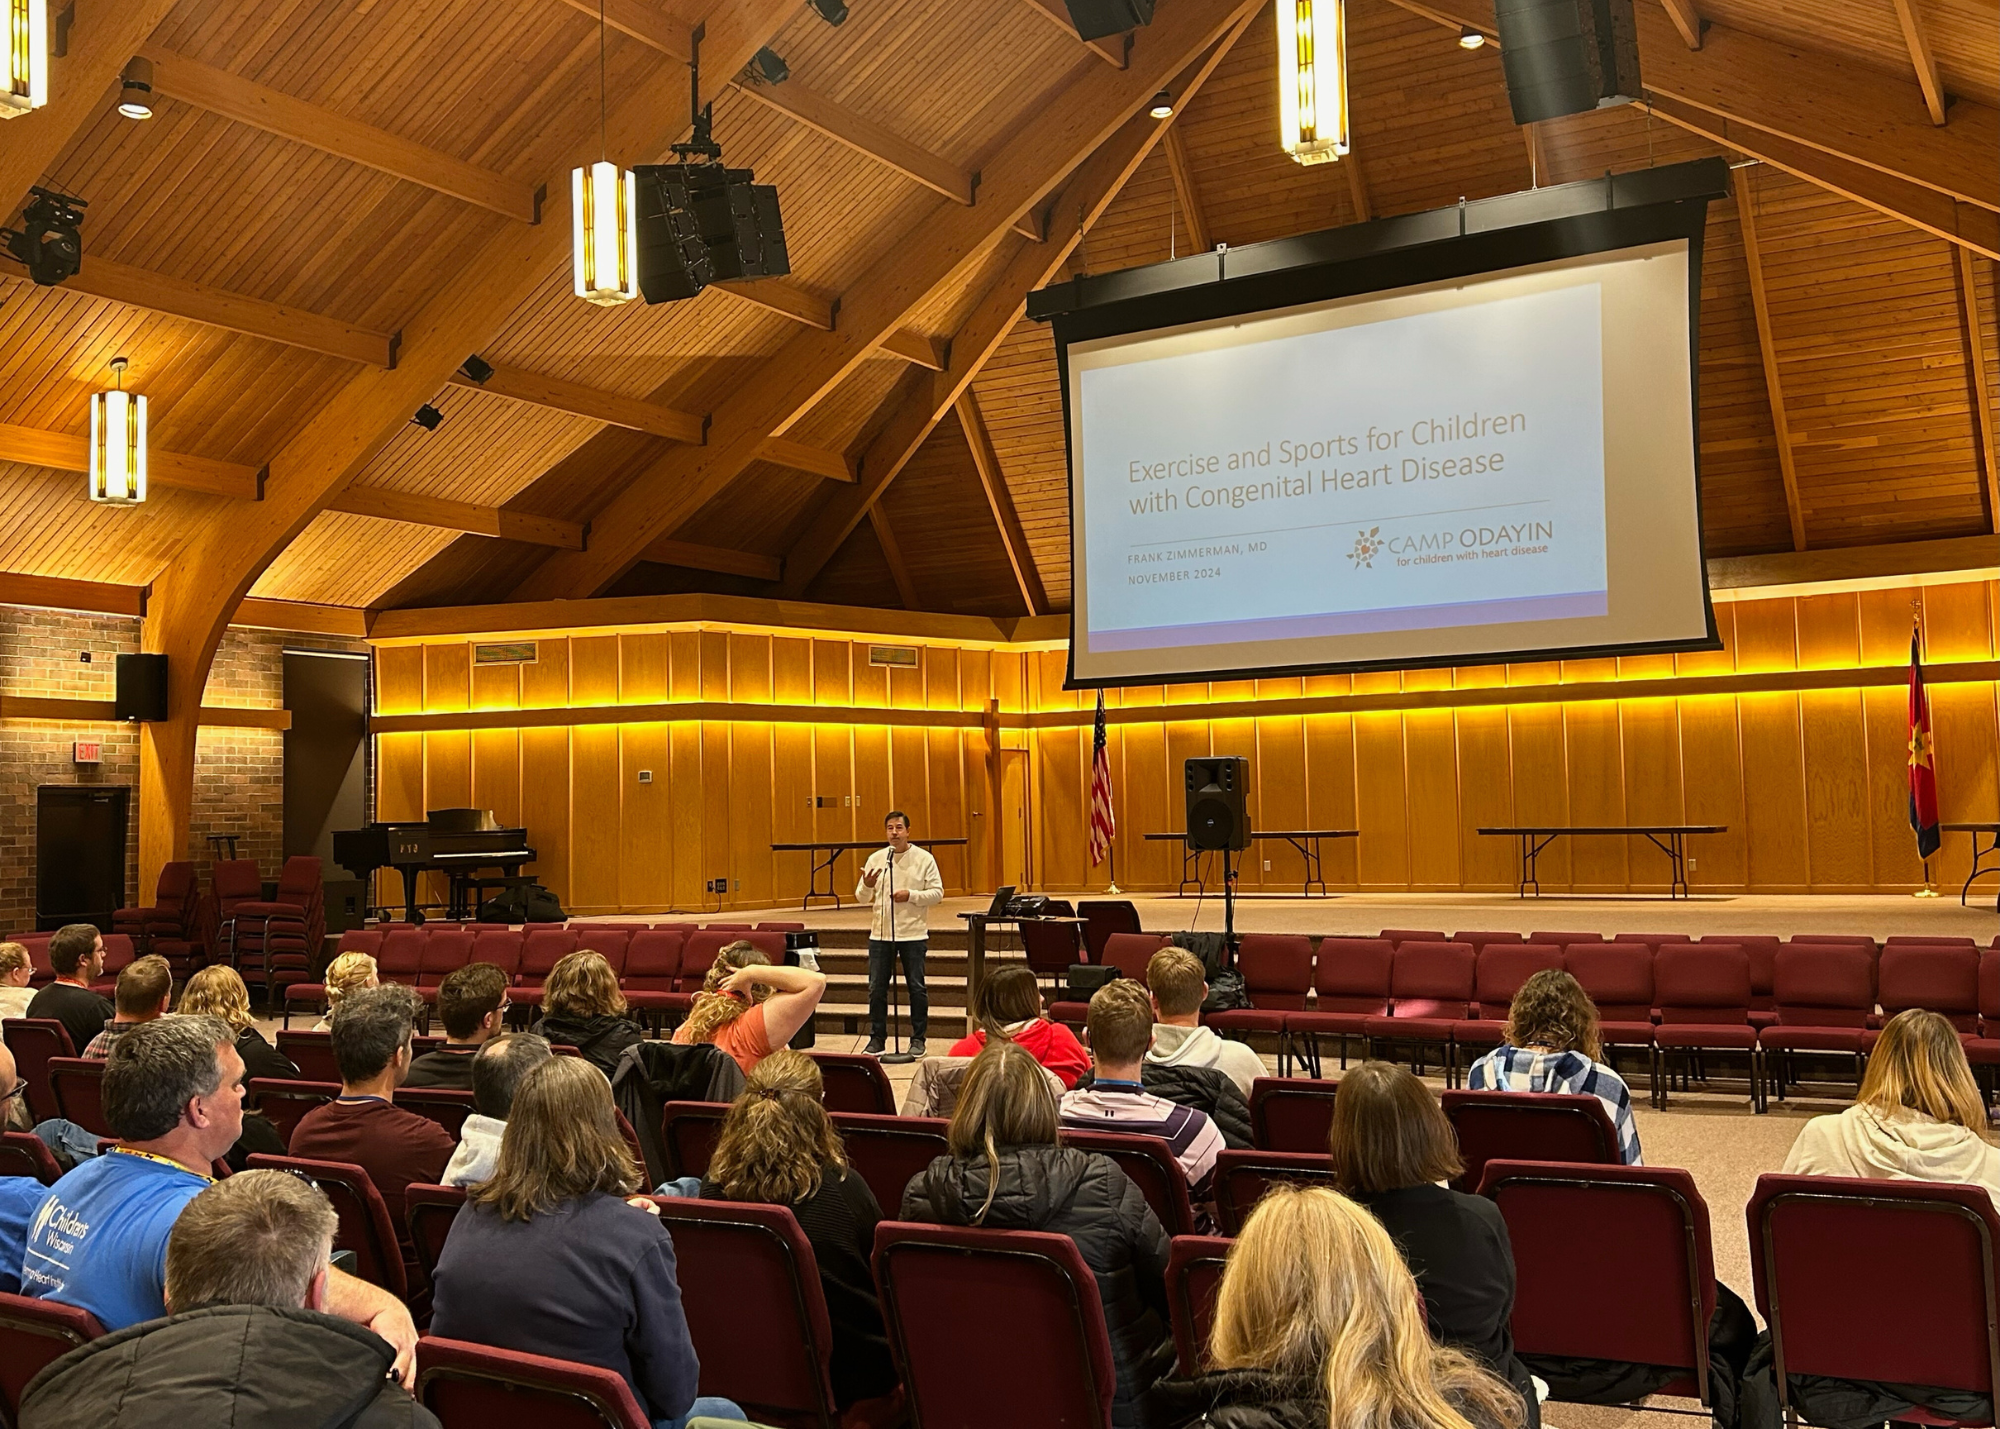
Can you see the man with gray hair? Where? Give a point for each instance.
(497, 1068)
(173, 1095)
(248, 1341)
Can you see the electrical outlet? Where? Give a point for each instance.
(645, 776)
(1691, 865)
(1267, 865)
(736, 885)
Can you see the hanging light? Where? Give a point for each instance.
(1163, 106)
(118, 443)
(1470, 39)
(26, 84)
(604, 215)
(135, 89)
(1312, 79)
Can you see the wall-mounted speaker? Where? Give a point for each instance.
(1567, 56)
(142, 687)
(1216, 791)
(1097, 19)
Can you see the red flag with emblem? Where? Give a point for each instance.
(1923, 760)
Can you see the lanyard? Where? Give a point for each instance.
(150, 1156)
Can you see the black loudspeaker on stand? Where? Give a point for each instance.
(1218, 819)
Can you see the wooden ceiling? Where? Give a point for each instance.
(319, 170)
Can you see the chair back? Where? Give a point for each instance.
(1703, 983)
(1050, 947)
(541, 950)
(365, 1227)
(1130, 952)
(1502, 968)
(311, 1053)
(1824, 985)
(738, 1263)
(1639, 1233)
(1432, 979)
(608, 943)
(1352, 975)
(34, 1334)
(430, 1210)
(890, 1151)
(35, 1042)
(1149, 1164)
(445, 951)
(78, 1084)
(401, 956)
(1101, 918)
(1938, 977)
(855, 1083)
(1651, 940)
(688, 1133)
(1413, 935)
(1618, 979)
(1565, 939)
(284, 1103)
(1813, 1239)
(500, 947)
(1194, 1274)
(1277, 969)
(447, 1106)
(1242, 1177)
(779, 928)
(937, 1280)
(1762, 950)
(1291, 1113)
(652, 961)
(1478, 941)
(470, 1386)
(1528, 1126)
(22, 1153)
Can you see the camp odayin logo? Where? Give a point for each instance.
(1367, 546)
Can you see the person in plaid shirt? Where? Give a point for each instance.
(1552, 1046)
(145, 989)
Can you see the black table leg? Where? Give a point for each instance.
(1190, 869)
(813, 888)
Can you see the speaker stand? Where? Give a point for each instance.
(1228, 906)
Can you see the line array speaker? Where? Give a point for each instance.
(1567, 56)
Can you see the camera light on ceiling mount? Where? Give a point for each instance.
(118, 443)
(26, 86)
(604, 218)
(1312, 79)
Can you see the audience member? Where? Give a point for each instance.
(1918, 1117)
(583, 1008)
(749, 1008)
(472, 1002)
(1006, 1170)
(1317, 1324)
(14, 1113)
(218, 991)
(364, 1126)
(76, 952)
(1392, 1148)
(497, 1069)
(1551, 1046)
(778, 1146)
(1121, 1029)
(20, 1196)
(349, 972)
(1008, 1006)
(145, 988)
(17, 970)
(249, 1340)
(173, 1095)
(552, 1258)
(1179, 985)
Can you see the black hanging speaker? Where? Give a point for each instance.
(1567, 56)
(1216, 789)
(142, 687)
(1096, 19)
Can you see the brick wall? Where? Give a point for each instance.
(239, 783)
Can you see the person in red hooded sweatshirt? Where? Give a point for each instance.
(1010, 1004)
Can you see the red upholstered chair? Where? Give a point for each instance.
(1194, 1273)
(1929, 940)
(1528, 1126)
(1291, 1113)
(430, 1210)
(1983, 1051)
(1277, 974)
(1762, 950)
(698, 956)
(232, 882)
(275, 942)
(1101, 918)
(400, 958)
(688, 1132)
(1497, 976)
(855, 1083)
(741, 1263)
(445, 951)
(1050, 949)
(1350, 985)
(1131, 952)
(1825, 993)
(1813, 1239)
(1242, 1177)
(1477, 940)
(35, 1042)
(1939, 977)
(365, 1227)
(78, 1084)
(889, 1151)
(119, 954)
(312, 995)
(1563, 940)
(171, 924)
(284, 1104)
(1430, 987)
(779, 928)
(1414, 935)
(729, 927)
(33, 1335)
(937, 1280)
(43, 971)
(1702, 993)
(608, 941)
(1149, 1164)
(22, 1153)
(652, 966)
(1618, 979)
(447, 1106)
(311, 1053)
(500, 947)
(1639, 1235)
(541, 949)
(1651, 940)
(1845, 940)
(470, 1386)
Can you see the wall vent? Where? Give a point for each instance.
(521, 652)
(901, 657)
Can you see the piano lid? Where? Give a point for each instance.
(462, 821)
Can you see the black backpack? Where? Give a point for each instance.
(523, 903)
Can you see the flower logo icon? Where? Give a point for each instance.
(1367, 546)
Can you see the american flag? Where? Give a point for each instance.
(1103, 822)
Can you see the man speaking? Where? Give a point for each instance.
(901, 881)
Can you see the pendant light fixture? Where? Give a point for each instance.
(1312, 79)
(604, 214)
(118, 443)
(26, 82)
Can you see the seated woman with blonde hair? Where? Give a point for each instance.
(1009, 1005)
(350, 972)
(749, 1008)
(218, 991)
(1918, 1117)
(778, 1146)
(583, 1008)
(1318, 1325)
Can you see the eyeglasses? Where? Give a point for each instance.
(20, 1088)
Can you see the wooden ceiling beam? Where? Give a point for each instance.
(1687, 20)
(914, 347)
(863, 135)
(59, 593)
(1979, 374)
(1189, 197)
(260, 107)
(787, 300)
(387, 505)
(799, 457)
(1114, 50)
(892, 556)
(63, 452)
(689, 556)
(1000, 501)
(938, 252)
(645, 23)
(1767, 348)
(580, 401)
(1922, 60)
(1357, 186)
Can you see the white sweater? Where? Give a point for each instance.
(916, 873)
(1906, 1146)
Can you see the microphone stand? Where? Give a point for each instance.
(899, 1056)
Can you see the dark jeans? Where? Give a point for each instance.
(880, 956)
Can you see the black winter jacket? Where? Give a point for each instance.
(601, 1040)
(1086, 1197)
(1206, 1089)
(248, 1366)
(1256, 1399)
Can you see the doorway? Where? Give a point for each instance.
(326, 768)
(79, 853)
(1017, 863)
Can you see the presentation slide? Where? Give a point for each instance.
(1494, 465)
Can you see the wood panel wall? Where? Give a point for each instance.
(1811, 783)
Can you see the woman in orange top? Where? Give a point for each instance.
(749, 1008)
(1010, 1006)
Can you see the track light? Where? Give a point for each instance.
(476, 367)
(1312, 79)
(118, 443)
(832, 11)
(770, 67)
(428, 417)
(1470, 39)
(50, 239)
(135, 97)
(25, 84)
(1163, 106)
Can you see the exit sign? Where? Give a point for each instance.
(89, 751)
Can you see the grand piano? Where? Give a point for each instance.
(460, 843)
